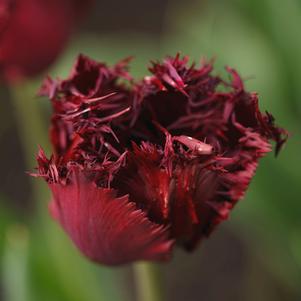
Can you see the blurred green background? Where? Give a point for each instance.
(256, 255)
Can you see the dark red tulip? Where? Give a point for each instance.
(140, 167)
(33, 33)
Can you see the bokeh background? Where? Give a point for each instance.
(256, 255)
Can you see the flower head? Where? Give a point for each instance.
(33, 33)
(141, 167)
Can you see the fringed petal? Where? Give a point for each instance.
(106, 228)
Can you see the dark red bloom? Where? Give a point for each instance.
(140, 167)
(33, 33)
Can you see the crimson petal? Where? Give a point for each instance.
(106, 228)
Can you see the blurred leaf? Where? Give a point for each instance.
(15, 264)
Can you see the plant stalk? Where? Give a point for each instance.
(148, 280)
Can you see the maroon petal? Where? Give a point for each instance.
(5, 12)
(90, 78)
(106, 228)
(146, 182)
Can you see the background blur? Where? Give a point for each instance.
(256, 255)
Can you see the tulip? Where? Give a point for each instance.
(33, 33)
(141, 167)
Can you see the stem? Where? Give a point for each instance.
(32, 132)
(14, 264)
(148, 282)
(31, 127)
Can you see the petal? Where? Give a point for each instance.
(85, 77)
(5, 12)
(190, 215)
(146, 183)
(90, 78)
(106, 228)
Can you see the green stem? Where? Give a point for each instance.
(148, 282)
(31, 127)
(32, 132)
(14, 264)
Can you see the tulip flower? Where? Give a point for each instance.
(139, 168)
(33, 33)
